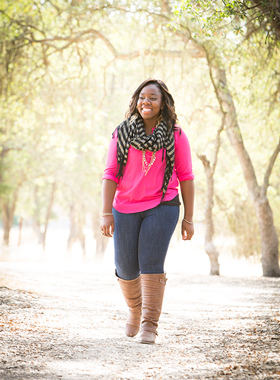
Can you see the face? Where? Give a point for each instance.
(149, 102)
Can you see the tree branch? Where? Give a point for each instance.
(225, 100)
(82, 36)
(205, 161)
(269, 169)
(218, 143)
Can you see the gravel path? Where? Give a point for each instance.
(68, 323)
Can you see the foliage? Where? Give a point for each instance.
(212, 16)
(245, 17)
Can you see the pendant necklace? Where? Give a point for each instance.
(145, 166)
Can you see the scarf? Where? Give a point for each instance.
(131, 132)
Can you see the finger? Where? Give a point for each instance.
(102, 231)
(190, 235)
(108, 232)
(112, 228)
(187, 234)
(182, 232)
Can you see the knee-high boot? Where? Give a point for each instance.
(131, 290)
(153, 286)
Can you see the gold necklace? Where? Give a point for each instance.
(145, 166)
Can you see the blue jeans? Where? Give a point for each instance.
(141, 240)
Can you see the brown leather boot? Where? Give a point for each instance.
(131, 290)
(153, 286)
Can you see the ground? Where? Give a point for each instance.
(67, 321)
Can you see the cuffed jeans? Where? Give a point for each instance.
(141, 240)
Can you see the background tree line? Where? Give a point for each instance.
(67, 71)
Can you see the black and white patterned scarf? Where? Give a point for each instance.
(131, 132)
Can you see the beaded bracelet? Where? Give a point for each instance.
(185, 220)
(107, 214)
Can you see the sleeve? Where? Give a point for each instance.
(111, 168)
(183, 159)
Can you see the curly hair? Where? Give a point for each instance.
(168, 111)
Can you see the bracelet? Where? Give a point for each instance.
(107, 214)
(185, 220)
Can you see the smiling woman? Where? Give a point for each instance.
(149, 106)
(148, 156)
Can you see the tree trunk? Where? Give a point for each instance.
(72, 232)
(36, 217)
(101, 241)
(269, 238)
(8, 211)
(49, 211)
(37, 230)
(210, 248)
(209, 245)
(101, 244)
(7, 222)
(77, 222)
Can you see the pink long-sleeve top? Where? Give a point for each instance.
(138, 192)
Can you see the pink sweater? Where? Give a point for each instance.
(138, 192)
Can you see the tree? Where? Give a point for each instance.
(269, 238)
(258, 193)
(209, 170)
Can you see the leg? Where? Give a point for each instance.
(155, 234)
(126, 236)
(127, 227)
(156, 231)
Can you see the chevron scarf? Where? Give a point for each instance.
(131, 132)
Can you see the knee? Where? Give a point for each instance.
(127, 275)
(152, 268)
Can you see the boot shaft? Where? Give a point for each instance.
(131, 290)
(153, 287)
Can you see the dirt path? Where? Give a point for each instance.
(68, 323)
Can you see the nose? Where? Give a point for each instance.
(146, 101)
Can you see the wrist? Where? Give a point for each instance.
(107, 214)
(187, 221)
(107, 211)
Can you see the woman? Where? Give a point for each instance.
(148, 155)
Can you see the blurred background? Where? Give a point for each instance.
(67, 72)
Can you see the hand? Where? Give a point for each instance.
(107, 225)
(187, 230)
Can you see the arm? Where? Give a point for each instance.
(107, 223)
(183, 167)
(109, 185)
(187, 191)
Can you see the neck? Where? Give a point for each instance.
(149, 125)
